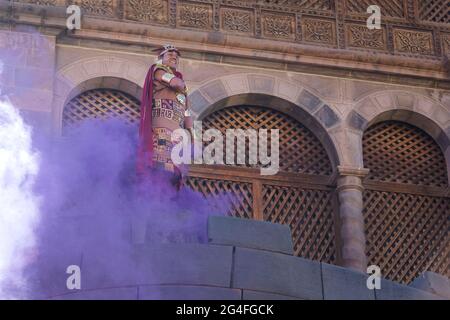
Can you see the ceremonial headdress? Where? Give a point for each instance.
(166, 48)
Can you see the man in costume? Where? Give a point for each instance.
(164, 108)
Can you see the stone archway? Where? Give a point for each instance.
(302, 195)
(96, 72)
(406, 198)
(410, 107)
(258, 89)
(101, 103)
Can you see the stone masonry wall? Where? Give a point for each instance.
(244, 260)
(27, 73)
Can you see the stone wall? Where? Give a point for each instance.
(27, 73)
(341, 91)
(244, 260)
(46, 71)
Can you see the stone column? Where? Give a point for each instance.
(351, 231)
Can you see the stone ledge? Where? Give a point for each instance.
(433, 283)
(311, 54)
(250, 234)
(124, 293)
(209, 272)
(395, 291)
(277, 273)
(188, 293)
(259, 295)
(184, 264)
(344, 284)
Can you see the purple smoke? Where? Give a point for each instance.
(90, 202)
(93, 206)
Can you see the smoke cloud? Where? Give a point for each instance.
(19, 206)
(93, 206)
(63, 199)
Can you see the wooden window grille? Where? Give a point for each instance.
(434, 10)
(300, 195)
(101, 103)
(406, 202)
(390, 8)
(300, 150)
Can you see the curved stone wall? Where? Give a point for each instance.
(244, 260)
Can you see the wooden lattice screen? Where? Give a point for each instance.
(101, 103)
(299, 196)
(238, 194)
(300, 150)
(406, 202)
(434, 10)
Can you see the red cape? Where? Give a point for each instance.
(145, 147)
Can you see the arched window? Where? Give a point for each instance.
(406, 201)
(101, 103)
(300, 195)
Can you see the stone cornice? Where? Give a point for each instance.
(282, 55)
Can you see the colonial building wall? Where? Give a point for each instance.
(315, 62)
(330, 100)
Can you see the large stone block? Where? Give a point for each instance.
(434, 283)
(395, 291)
(327, 116)
(344, 284)
(7, 77)
(129, 293)
(262, 84)
(250, 234)
(277, 273)
(325, 87)
(405, 100)
(259, 295)
(185, 264)
(237, 84)
(31, 99)
(50, 279)
(41, 122)
(35, 78)
(188, 293)
(288, 90)
(357, 121)
(198, 102)
(215, 90)
(309, 101)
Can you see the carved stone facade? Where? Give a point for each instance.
(43, 2)
(413, 42)
(195, 15)
(446, 40)
(314, 60)
(410, 27)
(278, 26)
(237, 20)
(147, 11)
(359, 36)
(319, 31)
